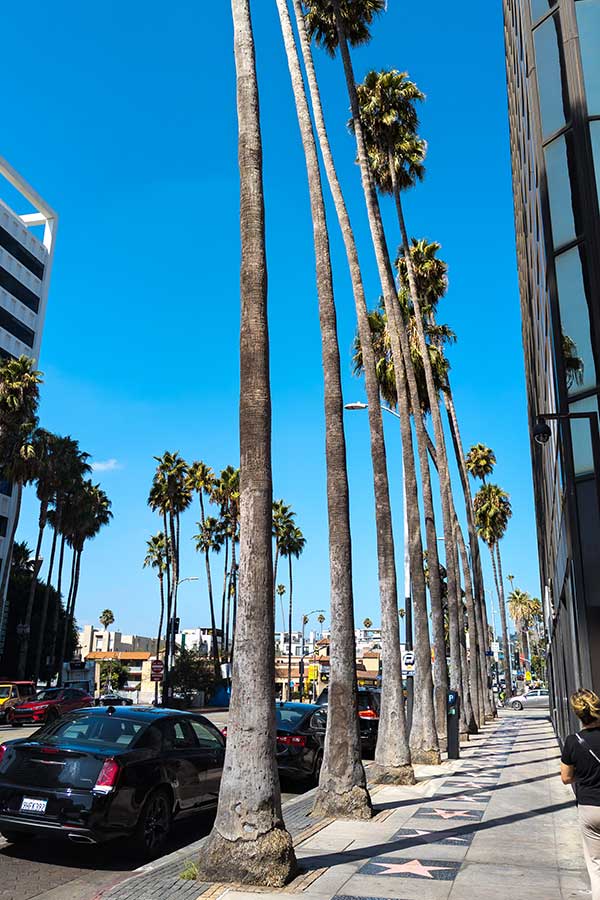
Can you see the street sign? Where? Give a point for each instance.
(408, 661)
(157, 670)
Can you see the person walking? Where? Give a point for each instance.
(580, 766)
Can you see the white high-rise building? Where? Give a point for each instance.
(25, 265)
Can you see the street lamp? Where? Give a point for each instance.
(541, 434)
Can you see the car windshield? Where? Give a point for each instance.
(289, 718)
(92, 729)
(4, 691)
(368, 701)
(52, 694)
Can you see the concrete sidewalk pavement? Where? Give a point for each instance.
(498, 822)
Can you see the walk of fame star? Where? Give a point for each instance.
(413, 867)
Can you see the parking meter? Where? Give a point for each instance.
(453, 725)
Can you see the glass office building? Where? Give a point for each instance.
(553, 76)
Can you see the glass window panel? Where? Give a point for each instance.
(575, 321)
(595, 132)
(559, 191)
(581, 436)
(539, 7)
(551, 75)
(588, 24)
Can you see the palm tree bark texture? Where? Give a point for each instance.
(249, 843)
(392, 755)
(342, 790)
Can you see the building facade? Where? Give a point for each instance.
(25, 266)
(553, 76)
(97, 640)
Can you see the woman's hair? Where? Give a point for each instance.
(586, 705)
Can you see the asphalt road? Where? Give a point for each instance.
(61, 871)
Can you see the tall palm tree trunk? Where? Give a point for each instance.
(473, 657)
(42, 638)
(424, 740)
(248, 843)
(224, 597)
(506, 672)
(478, 583)
(75, 592)
(213, 621)
(24, 645)
(63, 645)
(392, 751)
(503, 619)
(439, 438)
(342, 786)
(56, 616)
(290, 618)
(161, 580)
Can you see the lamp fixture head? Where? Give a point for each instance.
(356, 405)
(541, 431)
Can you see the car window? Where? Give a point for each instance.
(205, 736)
(51, 694)
(319, 720)
(544, 693)
(93, 729)
(150, 739)
(177, 735)
(4, 691)
(289, 718)
(534, 694)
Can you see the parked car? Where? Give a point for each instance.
(114, 700)
(369, 702)
(48, 705)
(102, 773)
(537, 699)
(13, 692)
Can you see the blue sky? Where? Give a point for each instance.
(123, 118)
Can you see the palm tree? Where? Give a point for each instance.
(492, 513)
(342, 785)
(90, 512)
(337, 23)
(280, 591)
(248, 842)
(283, 523)
(156, 558)
(392, 729)
(71, 466)
(320, 620)
(389, 120)
(106, 618)
(210, 540)
(521, 609)
(292, 547)
(480, 461)
(19, 398)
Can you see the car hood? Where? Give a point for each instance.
(37, 704)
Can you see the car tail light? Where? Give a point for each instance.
(368, 714)
(292, 740)
(224, 731)
(3, 749)
(107, 779)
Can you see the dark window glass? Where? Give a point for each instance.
(581, 436)
(595, 132)
(4, 354)
(558, 156)
(551, 75)
(3, 525)
(21, 253)
(540, 7)
(206, 737)
(575, 320)
(588, 23)
(18, 290)
(16, 328)
(5, 487)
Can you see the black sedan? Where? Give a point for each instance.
(301, 738)
(104, 773)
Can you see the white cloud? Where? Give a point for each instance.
(107, 465)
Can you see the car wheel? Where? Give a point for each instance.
(17, 837)
(154, 824)
(516, 704)
(51, 716)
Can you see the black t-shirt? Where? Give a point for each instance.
(587, 769)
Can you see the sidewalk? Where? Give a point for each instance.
(497, 822)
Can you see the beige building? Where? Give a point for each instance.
(97, 640)
(139, 684)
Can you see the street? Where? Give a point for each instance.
(39, 868)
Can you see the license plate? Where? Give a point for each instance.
(35, 806)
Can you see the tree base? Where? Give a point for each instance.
(391, 774)
(268, 860)
(352, 804)
(426, 757)
(464, 737)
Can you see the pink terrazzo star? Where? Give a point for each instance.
(453, 814)
(413, 867)
(469, 799)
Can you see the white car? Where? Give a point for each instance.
(536, 699)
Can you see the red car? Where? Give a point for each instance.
(48, 705)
